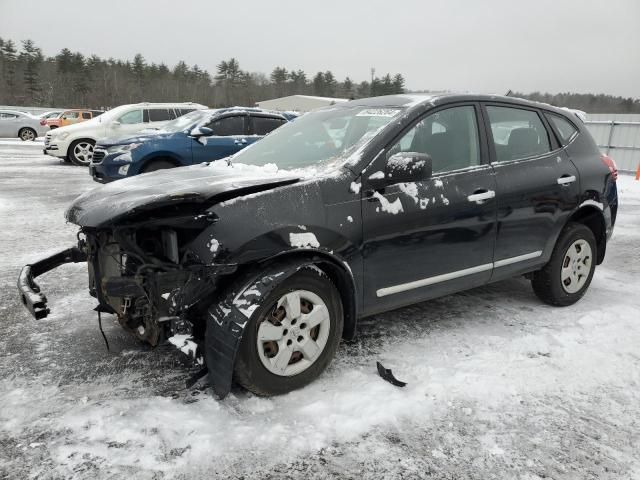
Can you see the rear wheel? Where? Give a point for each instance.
(27, 134)
(81, 152)
(157, 165)
(292, 336)
(567, 276)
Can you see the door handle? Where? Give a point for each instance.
(566, 179)
(479, 196)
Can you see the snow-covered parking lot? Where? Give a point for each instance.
(499, 385)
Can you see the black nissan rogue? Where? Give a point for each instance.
(257, 265)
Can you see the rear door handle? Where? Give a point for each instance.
(479, 196)
(566, 179)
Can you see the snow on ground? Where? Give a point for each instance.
(499, 385)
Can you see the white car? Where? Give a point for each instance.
(20, 124)
(75, 142)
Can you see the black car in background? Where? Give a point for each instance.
(259, 265)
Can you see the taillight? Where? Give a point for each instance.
(43, 122)
(611, 165)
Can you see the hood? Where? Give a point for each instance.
(200, 184)
(139, 138)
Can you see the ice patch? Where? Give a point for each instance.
(394, 207)
(301, 240)
(376, 175)
(350, 219)
(186, 345)
(213, 245)
(410, 189)
(355, 187)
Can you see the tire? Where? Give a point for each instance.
(81, 151)
(27, 134)
(310, 285)
(567, 276)
(157, 165)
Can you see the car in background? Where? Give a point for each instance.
(22, 125)
(71, 117)
(200, 136)
(75, 142)
(50, 114)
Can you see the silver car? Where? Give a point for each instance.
(22, 125)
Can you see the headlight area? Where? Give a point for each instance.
(149, 278)
(122, 148)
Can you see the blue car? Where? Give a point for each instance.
(199, 136)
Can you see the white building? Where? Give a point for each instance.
(299, 103)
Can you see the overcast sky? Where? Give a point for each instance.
(484, 46)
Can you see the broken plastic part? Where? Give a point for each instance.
(386, 374)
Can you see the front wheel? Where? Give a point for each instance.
(292, 336)
(27, 134)
(565, 279)
(81, 152)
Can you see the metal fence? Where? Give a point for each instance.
(617, 135)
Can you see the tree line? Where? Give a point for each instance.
(587, 102)
(71, 79)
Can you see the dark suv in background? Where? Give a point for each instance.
(199, 136)
(260, 266)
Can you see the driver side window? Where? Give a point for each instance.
(131, 118)
(449, 137)
(228, 126)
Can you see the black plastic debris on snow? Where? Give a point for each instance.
(386, 374)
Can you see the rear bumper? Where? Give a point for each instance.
(32, 298)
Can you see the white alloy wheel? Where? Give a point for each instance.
(293, 336)
(576, 266)
(83, 151)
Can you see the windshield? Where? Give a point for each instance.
(181, 123)
(318, 137)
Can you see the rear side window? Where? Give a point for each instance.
(565, 128)
(264, 125)
(517, 133)
(161, 114)
(71, 115)
(228, 126)
(183, 111)
(86, 115)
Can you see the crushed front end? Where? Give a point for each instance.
(148, 277)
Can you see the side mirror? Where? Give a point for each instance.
(404, 167)
(201, 132)
(115, 123)
(64, 117)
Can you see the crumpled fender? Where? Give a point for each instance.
(228, 317)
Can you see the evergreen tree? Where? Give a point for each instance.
(319, 86)
(9, 60)
(398, 83)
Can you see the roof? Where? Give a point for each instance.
(328, 99)
(419, 99)
(308, 97)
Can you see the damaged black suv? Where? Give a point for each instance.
(257, 265)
